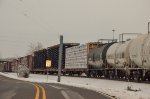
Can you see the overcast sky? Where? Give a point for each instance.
(29, 21)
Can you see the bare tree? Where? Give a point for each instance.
(1, 56)
(33, 47)
(39, 46)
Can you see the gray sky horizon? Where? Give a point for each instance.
(30, 21)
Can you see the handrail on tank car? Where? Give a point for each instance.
(109, 40)
(101, 41)
(148, 27)
(122, 35)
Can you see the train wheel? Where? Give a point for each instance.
(70, 74)
(137, 78)
(100, 74)
(128, 77)
(88, 74)
(143, 78)
(91, 74)
(79, 73)
(111, 75)
(106, 75)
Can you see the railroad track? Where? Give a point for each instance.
(146, 82)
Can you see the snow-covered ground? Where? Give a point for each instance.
(114, 88)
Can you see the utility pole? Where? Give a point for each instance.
(148, 27)
(60, 58)
(113, 33)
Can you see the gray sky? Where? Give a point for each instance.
(26, 21)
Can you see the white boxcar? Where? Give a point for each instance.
(76, 57)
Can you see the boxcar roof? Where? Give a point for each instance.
(66, 44)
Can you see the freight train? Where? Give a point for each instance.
(129, 59)
(114, 60)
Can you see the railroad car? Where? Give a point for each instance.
(5, 66)
(51, 53)
(97, 59)
(2, 67)
(77, 58)
(139, 52)
(115, 60)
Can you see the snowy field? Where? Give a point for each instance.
(113, 88)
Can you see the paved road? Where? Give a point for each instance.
(16, 89)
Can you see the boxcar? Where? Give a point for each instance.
(51, 53)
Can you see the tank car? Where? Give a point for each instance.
(139, 52)
(130, 59)
(97, 59)
(117, 59)
(117, 55)
(136, 51)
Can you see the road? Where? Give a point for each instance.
(16, 89)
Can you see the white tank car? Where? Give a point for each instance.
(146, 52)
(110, 55)
(139, 51)
(122, 55)
(117, 54)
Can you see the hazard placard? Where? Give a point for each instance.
(48, 63)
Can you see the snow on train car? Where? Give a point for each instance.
(77, 58)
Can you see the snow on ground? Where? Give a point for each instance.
(113, 88)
